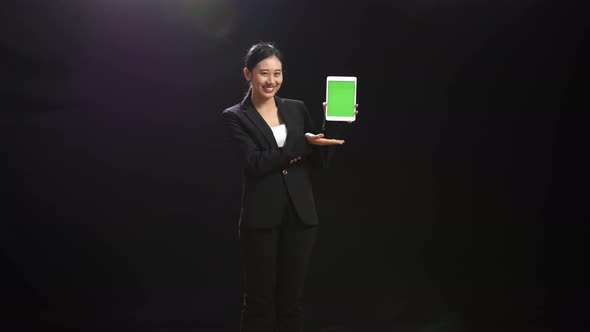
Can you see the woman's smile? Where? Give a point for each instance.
(269, 88)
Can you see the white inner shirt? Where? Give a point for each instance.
(280, 133)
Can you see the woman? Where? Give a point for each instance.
(277, 146)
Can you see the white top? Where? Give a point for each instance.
(280, 133)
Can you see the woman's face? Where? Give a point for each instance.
(266, 77)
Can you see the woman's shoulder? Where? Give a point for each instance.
(292, 102)
(232, 109)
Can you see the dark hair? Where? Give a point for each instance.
(259, 52)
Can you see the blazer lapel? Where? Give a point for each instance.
(286, 116)
(258, 121)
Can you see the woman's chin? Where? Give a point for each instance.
(267, 95)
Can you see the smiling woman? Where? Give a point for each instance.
(278, 221)
(264, 72)
(266, 77)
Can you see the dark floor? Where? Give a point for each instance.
(321, 327)
(385, 327)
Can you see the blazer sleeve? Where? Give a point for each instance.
(256, 161)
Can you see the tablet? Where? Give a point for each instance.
(340, 98)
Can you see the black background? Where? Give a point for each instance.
(456, 203)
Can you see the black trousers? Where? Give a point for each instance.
(274, 265)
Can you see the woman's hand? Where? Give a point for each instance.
(320, 140)
(356, 106)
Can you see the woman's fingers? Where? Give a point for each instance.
(327, 141)
(320, 140)
(355, 112)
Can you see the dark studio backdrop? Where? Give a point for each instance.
(453, 206)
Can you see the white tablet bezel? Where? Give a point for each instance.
(340, 78)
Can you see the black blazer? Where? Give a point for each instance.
(272, 174)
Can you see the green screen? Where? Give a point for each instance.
(341, 98)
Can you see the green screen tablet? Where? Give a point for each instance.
(340, 98)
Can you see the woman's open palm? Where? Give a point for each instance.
(318, 139)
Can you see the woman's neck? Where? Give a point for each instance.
(262, 104)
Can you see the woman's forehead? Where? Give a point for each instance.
(270, 63)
